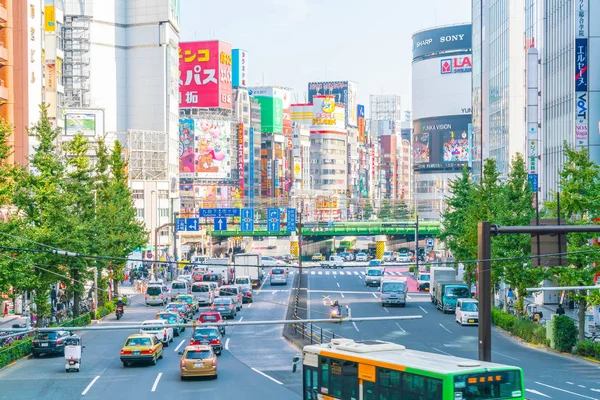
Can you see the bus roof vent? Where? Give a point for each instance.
(368, 346)
(340, 342)
(468, 364)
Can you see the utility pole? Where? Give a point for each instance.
(95, 292)
(417, 246)
(156, 249)
(175, 216)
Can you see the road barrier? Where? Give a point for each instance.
(314, 333)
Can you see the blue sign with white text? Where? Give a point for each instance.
(274, 220)
(192, 224)
(291, 220)
(180, 224)
(533, 182)
(247, 224)
(219, 212)
(220, 224)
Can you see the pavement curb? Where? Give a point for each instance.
(544, 349)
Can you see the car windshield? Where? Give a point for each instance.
(374, 272)
(391, 287)
(360, 255)
(222, 301)
(200, 289)
(209, 317)
(374, 263)
(228, 291)
(205, 334)
(186, 299)
(168, 317)
(210, 277)
(278, 272)
(152, 327)
(424, 277)
(470, 306)
(153, 291)
(387, 253)
(456, 291)
(178, 285)
(198, 354)
(176, 307)
(241, 280)
(46, 336)
(138, 342)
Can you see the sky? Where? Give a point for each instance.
(293, 42)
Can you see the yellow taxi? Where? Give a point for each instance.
(141, 348)
(318, 257)
(198, 360)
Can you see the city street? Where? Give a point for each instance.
(547, 375)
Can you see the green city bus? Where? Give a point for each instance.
(378, 370)
(348, 243)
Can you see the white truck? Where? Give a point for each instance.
(393, 290)
(246, 264)
(219, 266)
(334, 262)
(439, 274)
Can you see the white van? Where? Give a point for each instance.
(467, 312)
(373, 276)
(156, 294)
(179, 287)
(203, 293)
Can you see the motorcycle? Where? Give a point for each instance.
(119, 312)
(334, 313)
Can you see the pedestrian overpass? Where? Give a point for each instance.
(323, 230)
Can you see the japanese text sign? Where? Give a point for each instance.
(581, 65)
(205, 74)
(240, 67)
(240, 142)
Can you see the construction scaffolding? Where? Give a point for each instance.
(385, 107)
(76, 72)
(148, 155)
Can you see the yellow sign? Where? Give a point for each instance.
(324, 121)
(297, 168)
(49, 16)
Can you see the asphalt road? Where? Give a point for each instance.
(547, 375)
(257, 363)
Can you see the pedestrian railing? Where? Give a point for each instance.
(314, 333)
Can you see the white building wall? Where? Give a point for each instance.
(517, 85)
(35, 78)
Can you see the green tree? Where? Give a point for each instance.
(385, 210)
(367, 209)
(579, 196)
(401, 211)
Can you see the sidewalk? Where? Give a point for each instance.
(9, 321)
(550, 310)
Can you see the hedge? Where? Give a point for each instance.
(525, 329)
(588, 348)
(412, 269)
(18, 349)
(565, 333)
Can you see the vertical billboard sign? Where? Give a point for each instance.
(581, 18)
(581, 73)
(240, 67)
(271, 114)
(240, 154)
(212, 141)
(360, 113)
(251, 161)
(344, 93)
(581, 65)
(205, 74)
(581, 119)
(49, 16)
(351, 105)
(286, 104)
(187, 158)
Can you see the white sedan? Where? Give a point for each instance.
(271, 262)
(159, 328)
(362, 257)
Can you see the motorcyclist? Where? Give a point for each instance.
(336, 306)
(121, 303)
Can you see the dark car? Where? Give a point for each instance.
(217, 278)
(49, 343)
(208, 336)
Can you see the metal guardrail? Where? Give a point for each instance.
(314, 333)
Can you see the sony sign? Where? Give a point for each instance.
(451, 38)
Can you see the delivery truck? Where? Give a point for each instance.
(246, 264)
(448, 292)
(439, 274)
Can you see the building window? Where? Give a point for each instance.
(138, 194)
(139, 212)
(163, 212)
(163, 194)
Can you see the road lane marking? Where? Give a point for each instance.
(355, 327)
(334, 272)
(337, 283)
(156, 382)
(355, 273)
(374, 295)
(570, 383)
(581, 386)
(538, 393)
(360, 277)
(386, 310)
(398, 325)
(320, 272)
(179, 345)
(595, 390)
(227, 344)
(443, 352)
(446, 329)
(504, 355)
(241, 319)
(362, 272)
(452, 345)
(90, 385)
(267, 376)
(423, 309)
(326, 272)
(567, 391)
(312, 272)
(342, 293)
(263, 284)
(250, 305)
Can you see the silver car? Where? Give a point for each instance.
(203, 293)
(156, 295)
(278, 276)
(225, 307)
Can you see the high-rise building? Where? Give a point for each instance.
(120, 77)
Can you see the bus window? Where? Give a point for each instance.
(336, 378)
(369, 390)
(350, 371)
(311, 384)
(324, 375)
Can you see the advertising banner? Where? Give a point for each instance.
(581, 65)
(251, 178)
(439, 40)
(211, 151)
(327, 115)
(297, 168)
(240, 67)
(240, 155)
(50, 75)
(581, 18)
(344, 92)
(456, 65)
(212, 196)
(84, 124)
(271, 114)
(581, 119)
(361, 122)
(441, 143)
(49, 16)
(187, 157)
(205, 74)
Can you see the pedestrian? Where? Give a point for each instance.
(5, 308)
(560, 310)
(53, 295)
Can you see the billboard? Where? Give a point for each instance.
(240, 155)
(441, 143)
(212, 196)
(271, 114)
(49, 16)
(327, 115)
(84, 121)
(187, 156)
(439, 40)
(581, 65)
(286, 103)
(251, 179)
(205, 74)
(436, 93)
(360, 110)
(344, 93)
(456, 65)
(239, 68)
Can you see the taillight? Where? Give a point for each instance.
(165, 334)
(217, 341)
(231, 306)
(59, 341)
(182, 362)
(194, 342)
(249, 294)
(125, 351)
(214, 362)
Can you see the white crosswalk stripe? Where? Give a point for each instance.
(334, 272)
(320, 272)
(326, 272)
(341, 272)
(362, 272)
(312, 272)
(355, 273)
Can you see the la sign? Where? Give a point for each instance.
(456, 65)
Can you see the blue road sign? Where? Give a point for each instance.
(192, 224)
(274, 220)
(291, 220)
(220, 224)
(533, 182)
(180, 224)
(330, 224)
(219, 212)
(429, 241)
(247, 224)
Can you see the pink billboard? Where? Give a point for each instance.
(205, 74)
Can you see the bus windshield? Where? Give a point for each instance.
(487, 386)
(391, 287)
(457, 291)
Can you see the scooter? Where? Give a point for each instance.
(119, 312)
(73, 349)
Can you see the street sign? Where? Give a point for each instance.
(247, 224)
(219, 212)
(533, 182)
(192, 224)
(274, 220)
(291, 220)
(180, 224)
(429, 241)
(149, 255)
(220, 224)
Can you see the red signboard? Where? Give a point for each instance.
(205, 74)
(290, 143)
(240, 137)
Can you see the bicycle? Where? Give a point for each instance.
(593, 336)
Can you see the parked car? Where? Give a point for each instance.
(49, 343)
(157, 294)
(362, 257)
(387, 256)
(278, 276)
(207, 336)
(198, 361)
(159, 328)
(225, 307)
(141, 348)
